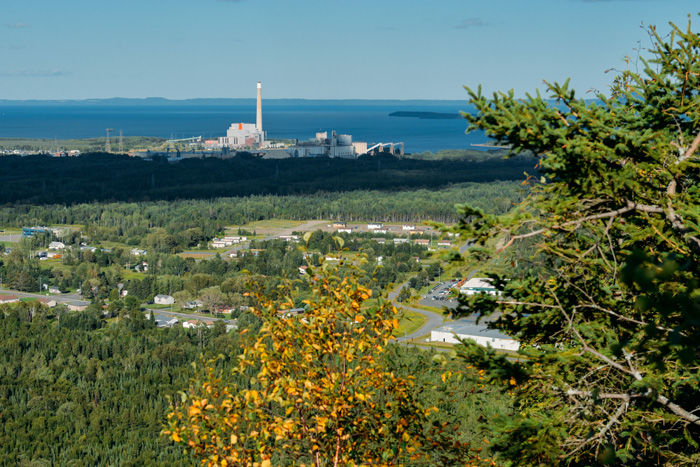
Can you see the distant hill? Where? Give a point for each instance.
(426, 115)
(160, 101)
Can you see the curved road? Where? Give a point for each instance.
(433, 320)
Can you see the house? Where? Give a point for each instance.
(381, 241)
(193, 323)
(284, 314)
(164, 321)
(219, 243)
(163, 300)
(57, 246)
(142, 267)
(48, 302)
(374, 225)
(74, 307)
(422, 241)
(444, 243)
(55, 290)
(339, 225)
(234, 239)
(381, 231)
(193, 304)
(344, 230)
(408, 227)
(289, 238)
(9, 299)
(302, 270)
(137, 252)
(453, 332)
(400, 240)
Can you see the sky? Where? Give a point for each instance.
(320, 49)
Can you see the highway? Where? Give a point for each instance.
(68, 298)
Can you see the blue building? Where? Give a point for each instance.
(30, 231)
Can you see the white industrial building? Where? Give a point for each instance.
(335, 146)
(476, 285)
(242, 135)
(483, 336)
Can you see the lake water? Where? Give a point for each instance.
(364, 120)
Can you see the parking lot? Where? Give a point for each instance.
(440, 295)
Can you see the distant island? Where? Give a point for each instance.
(425, 115)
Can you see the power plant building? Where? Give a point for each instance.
(241, 135)
(335, 146)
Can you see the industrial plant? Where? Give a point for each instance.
(252, 136)
(244, 135)
(335, 146)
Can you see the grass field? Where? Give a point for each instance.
(409, 323)
(270, 224)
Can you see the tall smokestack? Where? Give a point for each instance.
(258, 121)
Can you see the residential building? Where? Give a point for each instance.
(9, 299)
(163, 300)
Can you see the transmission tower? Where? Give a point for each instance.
(121, 142)
(108, 145)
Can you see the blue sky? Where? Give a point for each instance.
(360, 49)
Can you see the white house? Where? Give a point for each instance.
(193, 323)
(451, 333)
(408, 227)
(374, 225)
(191, 305)
(137, 252)
(163, 300)
(9, 299)
(57, 246)
(48, 302)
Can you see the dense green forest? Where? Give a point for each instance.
(110, 177)
(76, 390)
(135, 219)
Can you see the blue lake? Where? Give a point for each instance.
(364, 120)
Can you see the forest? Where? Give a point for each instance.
(92, 177)
(78, 390)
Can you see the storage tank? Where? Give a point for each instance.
(344, 140)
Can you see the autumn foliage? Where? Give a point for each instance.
(311, 390)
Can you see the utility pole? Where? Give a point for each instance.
(108, 145)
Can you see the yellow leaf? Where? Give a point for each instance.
(234, 439)
(176, 438)
(266, 463)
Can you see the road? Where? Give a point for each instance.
(433, 320)
(68, 298)
(12, 238)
